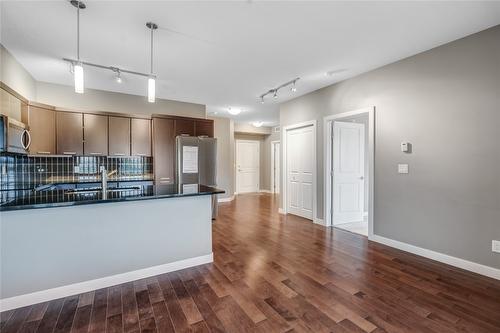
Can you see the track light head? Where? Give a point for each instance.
(78, 4)
(294, 88)
(275, 95)
(261, 99)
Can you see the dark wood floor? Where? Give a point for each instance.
(281, 274)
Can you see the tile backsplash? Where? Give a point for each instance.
(28, 172)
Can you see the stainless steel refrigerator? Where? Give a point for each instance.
(196, 163)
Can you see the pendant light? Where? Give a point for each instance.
(151, 80)
(78, 66)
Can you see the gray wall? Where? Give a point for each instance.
(224, 132)
(266, 165)
(446, 102)
(99, 100)
(15, 76)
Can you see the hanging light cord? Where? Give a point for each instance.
(78, 31)
(152, 49)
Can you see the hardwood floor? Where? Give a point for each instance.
(281, 274)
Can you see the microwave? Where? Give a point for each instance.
(14, 136)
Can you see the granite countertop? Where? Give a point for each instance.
(22, 199)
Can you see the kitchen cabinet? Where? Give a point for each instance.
(140, 137)
(204, 128)
(184, 127)
(95, 134)
(42, 125)
(163, 150)
(69, 133)
(119, 136)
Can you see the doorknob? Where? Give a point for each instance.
(361, 178)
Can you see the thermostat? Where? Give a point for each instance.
(405, 147)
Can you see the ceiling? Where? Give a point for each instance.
(228, 53)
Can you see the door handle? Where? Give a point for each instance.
(69, 153)
(361, 178)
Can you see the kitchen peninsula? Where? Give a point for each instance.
(91, 243)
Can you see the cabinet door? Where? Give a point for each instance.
(95, 134)
(141, 137)
(163, 150)
(42, 123)
(204, 128)
(69, 129)
(184, 127)
(119, 136)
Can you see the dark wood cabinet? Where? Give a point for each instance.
(184, 127)
(95, 134)
(69, 133)
(164, 150)
(42, 124)
(141, 137)
(119, 136)
(204, 128)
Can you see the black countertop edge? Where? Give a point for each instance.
(204, 190)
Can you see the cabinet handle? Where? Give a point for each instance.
(165, 178)
(69, 152)
(95, 153)
(119, 154)
(140, 154)
(43, 152)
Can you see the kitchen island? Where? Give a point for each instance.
(59, 243)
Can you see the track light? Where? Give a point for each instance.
(274, 91)
(275, 95)
(294, 88)
(118, 77)
(261, 99)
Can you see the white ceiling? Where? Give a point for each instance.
(227, 53)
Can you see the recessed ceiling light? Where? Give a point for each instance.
(257, 123)
(234, 111)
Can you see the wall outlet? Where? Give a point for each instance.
(403, 168)
(495, 246)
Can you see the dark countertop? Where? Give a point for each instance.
(22, 199)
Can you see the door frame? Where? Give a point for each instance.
(236, 163)
(273, 178)
(327, 144)
(284, 166)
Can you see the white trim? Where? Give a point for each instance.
(273, 143)
(444, 258)
(281, 211)
(265, 191)
(228, 199)
(327, 162)
(236, 161)
(320, 222)
(284, 162)
(108, 281)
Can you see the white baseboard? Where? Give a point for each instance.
(444, 258)
(228, 199)
(108, 281)
(319, 221)
(281, 211)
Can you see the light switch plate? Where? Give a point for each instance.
(403, 168)
(495, 246)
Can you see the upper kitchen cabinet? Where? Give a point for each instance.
(119, 136)
(42, 125)
(141, 137)
(95, 134)
(184, 127)
(204, 127)
(69, 133)
(163, 150)
(13, 105)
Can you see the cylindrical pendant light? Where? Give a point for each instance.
(78, 67)
(151, 80)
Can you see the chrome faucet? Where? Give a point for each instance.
(104, 180)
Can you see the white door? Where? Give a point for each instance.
(300, 164)
(348, 183)
(275, 168)
(247, 166)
